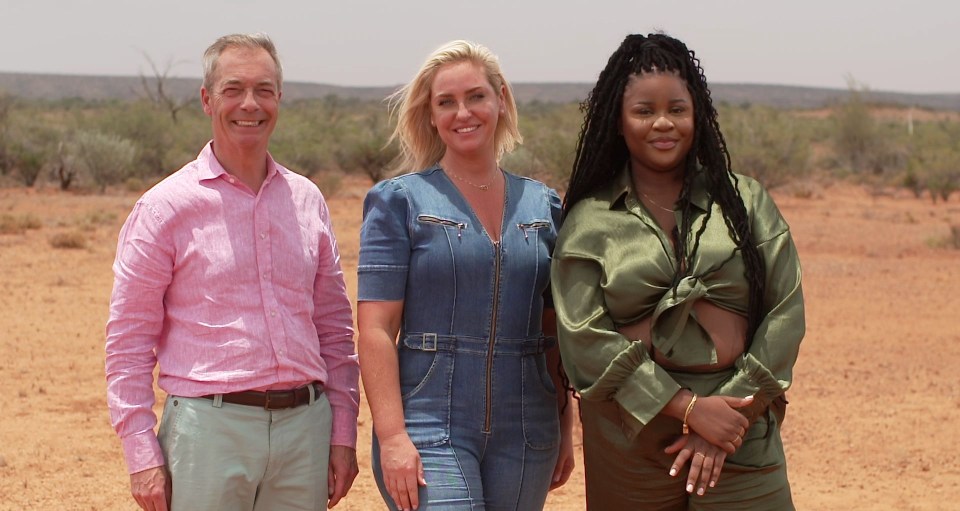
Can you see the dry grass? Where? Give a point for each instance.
(18, 224)
(70, 240)
(872, 415)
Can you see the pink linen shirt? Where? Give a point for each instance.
(228, 291)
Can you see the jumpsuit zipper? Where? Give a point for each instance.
(493, 334)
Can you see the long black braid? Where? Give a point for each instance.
(602, 154)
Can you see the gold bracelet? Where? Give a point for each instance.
(686, 414)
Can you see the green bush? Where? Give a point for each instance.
(106, 158)
(769, 145)
(934, 159)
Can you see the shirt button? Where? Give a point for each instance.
(273, 313)
(231, 179)
(263, 235)
(265, 277)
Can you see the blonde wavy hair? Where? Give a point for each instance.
(420, 144)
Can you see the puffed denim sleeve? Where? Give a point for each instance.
(384, 243)
(766, 370)
(556, 215)
(556, 207)
(601, 363)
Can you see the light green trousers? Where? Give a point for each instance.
(223, 456)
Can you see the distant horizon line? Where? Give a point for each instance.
(565, 82)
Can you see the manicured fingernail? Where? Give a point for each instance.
(689, 488)
(713, 484)
(701, 491)
(673, 472)
(749, 398)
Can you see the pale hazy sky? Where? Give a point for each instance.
(902, 46)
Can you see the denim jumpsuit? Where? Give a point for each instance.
(478, 401)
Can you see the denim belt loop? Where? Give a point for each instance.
(429, 342)
(218, 401)
(312, 388)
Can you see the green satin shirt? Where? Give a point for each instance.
(613, 265)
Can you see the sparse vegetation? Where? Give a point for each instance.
(131, 143)
(767, 144)
(107, 159)
(18, 224)
(69, 240)
(329, 182)
(96, 218)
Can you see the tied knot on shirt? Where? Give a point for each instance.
(671, 319)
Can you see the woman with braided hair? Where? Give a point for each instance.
(677, 289)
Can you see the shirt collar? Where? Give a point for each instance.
(210, 167)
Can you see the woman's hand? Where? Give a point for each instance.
(716, 420)
(565, 398)
(565, 460)
(706, 462)
(402, 470)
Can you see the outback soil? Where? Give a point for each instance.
(874, 415)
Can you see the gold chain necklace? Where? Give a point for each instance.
(481, 187)
(668, 210)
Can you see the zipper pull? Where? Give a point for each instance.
(524, 231)
(460, 227)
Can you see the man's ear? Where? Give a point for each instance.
(205, 101)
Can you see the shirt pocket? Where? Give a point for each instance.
(445, 223)
(534, 230)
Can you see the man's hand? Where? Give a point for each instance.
(343, 470)
(151, 488)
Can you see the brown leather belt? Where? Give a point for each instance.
(271, 399)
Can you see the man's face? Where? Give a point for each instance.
(243, 100)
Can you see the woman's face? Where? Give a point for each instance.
(464, 108)
(657, 122)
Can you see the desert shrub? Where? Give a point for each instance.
(69, 240)
(31, 145)
(362, 144)
(310, 132)
(862, 145)
(329, 182)
(7, 103)
(368, 153)
(17, 224)
(94, 218)
(29, 161)
(550, 132)
(934, 159)
(855, 136)
(106, 158)
(148, 128)
(769, 145)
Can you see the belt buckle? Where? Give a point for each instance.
(429, 342)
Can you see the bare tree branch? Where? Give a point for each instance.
(156, 90)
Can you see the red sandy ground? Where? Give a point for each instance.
(874, 414)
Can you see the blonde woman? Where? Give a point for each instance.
(457, 353)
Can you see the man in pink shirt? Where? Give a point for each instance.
(228, 277)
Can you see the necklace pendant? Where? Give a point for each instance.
(483, 187)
